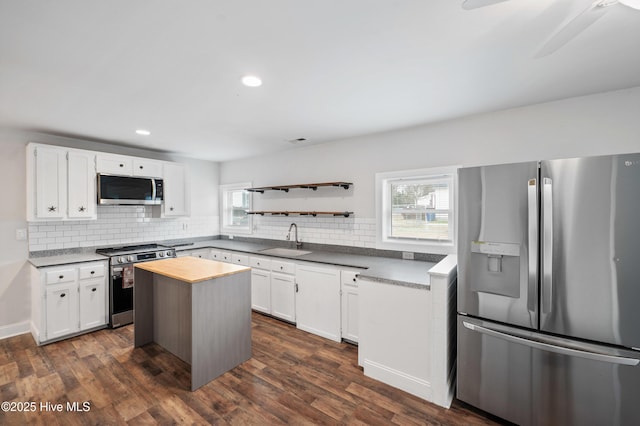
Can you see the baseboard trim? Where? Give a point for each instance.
(408, 383)
(16, 329)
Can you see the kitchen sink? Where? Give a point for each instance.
(284, 252)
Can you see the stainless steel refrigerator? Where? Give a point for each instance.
(549, 291)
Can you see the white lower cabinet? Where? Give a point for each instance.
(283, 296)
(61, 310)
(261, 290)
(67, 300)
(93, 309)
(318, 301)
(273, 287)
(349, 308)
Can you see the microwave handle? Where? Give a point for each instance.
(153, 189)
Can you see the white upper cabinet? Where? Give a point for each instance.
(81, 185)
(147, 168)
(112, 164)
(48, 172)
(176, 196)
(61, 183)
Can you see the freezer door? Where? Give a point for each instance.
(532, 379)
(590, 235)
(498, 243)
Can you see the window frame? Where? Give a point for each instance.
(383, 201)
(225, 227)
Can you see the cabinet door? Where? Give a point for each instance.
(50, 177)
(261, 290)
(175, 190)
(147, 168)
(350, 312)
(61, 310)
(318, 301)
(283, 296)
(93, 298)
(81, 185)
(114, 164)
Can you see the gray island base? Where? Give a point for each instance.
(197, 309)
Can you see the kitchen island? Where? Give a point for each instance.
(197, 309)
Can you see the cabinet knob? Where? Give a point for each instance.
(171, 208)
(281, 268)
(63, 295)
(94, 289)
(121, 165)
(81, 208)
(60, 277)
(93, 272)
(52, 208)
(141, 167)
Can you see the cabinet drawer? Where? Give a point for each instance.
(225, 256)
(216, 255)
(61, 276)
(286, 267)
(91, 271)
(349, 277)
(240, 259)
(260, 262)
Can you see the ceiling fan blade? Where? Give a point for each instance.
(475, 4)
(574, 27)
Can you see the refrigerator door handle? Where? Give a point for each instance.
(612, 359)
(532, 235)
(547, 245)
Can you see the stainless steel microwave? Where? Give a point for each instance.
(130, 190)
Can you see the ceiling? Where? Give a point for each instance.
(331, 69)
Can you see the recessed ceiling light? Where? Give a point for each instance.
(251, 81)
(143, 132)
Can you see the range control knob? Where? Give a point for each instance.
(168, 253)
(130, 258)
(121, 259)
(161, 254)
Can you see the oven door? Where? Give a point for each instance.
(121, 295)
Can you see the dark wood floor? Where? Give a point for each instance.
(293, 378)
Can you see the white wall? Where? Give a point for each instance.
(605, 123)
(14, 282)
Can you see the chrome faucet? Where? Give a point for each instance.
(298, 243)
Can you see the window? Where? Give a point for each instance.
(415, 210)
(235, 202)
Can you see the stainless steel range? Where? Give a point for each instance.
(121, 261)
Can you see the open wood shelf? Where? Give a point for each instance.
(286, 188)
(299, 213)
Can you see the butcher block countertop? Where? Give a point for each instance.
(191, 269)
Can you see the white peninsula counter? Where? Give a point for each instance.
(197, 309)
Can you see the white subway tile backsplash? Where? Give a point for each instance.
(352, 231)
(118, 225)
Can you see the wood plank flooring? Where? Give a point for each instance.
(293, 378)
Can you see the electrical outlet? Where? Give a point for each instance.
(21, 234)
(407, 255)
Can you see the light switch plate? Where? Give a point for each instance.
(21, 234)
